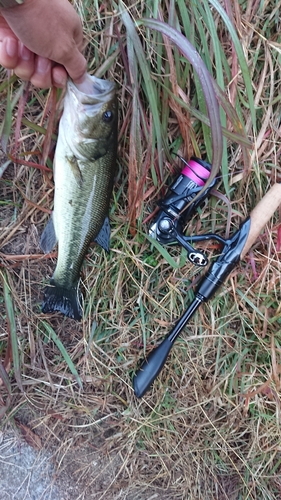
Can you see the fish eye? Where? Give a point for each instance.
(107, 116)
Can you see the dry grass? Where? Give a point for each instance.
(210, 426)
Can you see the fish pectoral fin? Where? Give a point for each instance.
(103, 238)
(74, 167)
(48, 238)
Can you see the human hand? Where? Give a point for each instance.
(41, 40)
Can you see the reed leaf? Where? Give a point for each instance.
(241, 58)
(133, 39)
(206, 81)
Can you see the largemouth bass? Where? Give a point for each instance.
(84, 169)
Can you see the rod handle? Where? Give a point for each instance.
(151, 367)
(261, 214)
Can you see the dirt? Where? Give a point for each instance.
(26, 474)
(30, 474)
(35, 466)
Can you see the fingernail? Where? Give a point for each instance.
(59, 82)
(24, 52)
(59, 76)
(11, 47)
(43, 65)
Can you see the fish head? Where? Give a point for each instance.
(91, 114)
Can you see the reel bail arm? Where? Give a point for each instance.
(178, 207)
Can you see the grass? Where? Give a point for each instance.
(210, 426)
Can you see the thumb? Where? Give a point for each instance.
(76, 66)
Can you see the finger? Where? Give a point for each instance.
(9, 52)
(42, 76)
(76, 65)
(25, 65)
(59, 76)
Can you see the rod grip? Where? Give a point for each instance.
(261, 214)
(150, 368)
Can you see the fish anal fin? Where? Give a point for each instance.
(48, 238)
(103, 238)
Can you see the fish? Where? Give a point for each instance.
(84, 171)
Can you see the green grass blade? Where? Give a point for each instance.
(206, 82)
(4, 166)
(133, 38)
(238, 137)
(241, 58)
(11, 321)
(6, 382)
(8, 82)
(162, 250)
(207, 15)
(37, 128)
(6, 126)
(52, 334)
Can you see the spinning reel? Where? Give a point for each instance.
(179, 206)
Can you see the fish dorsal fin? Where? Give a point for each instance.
(48, 238)
(103, 238)
(74, 167)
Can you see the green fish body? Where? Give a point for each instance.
(85, 162)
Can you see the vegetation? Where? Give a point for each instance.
(210, 426)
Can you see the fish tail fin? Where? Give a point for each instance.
(65, 300)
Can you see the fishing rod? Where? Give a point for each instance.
(175, 210)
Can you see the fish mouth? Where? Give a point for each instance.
(91, 90)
